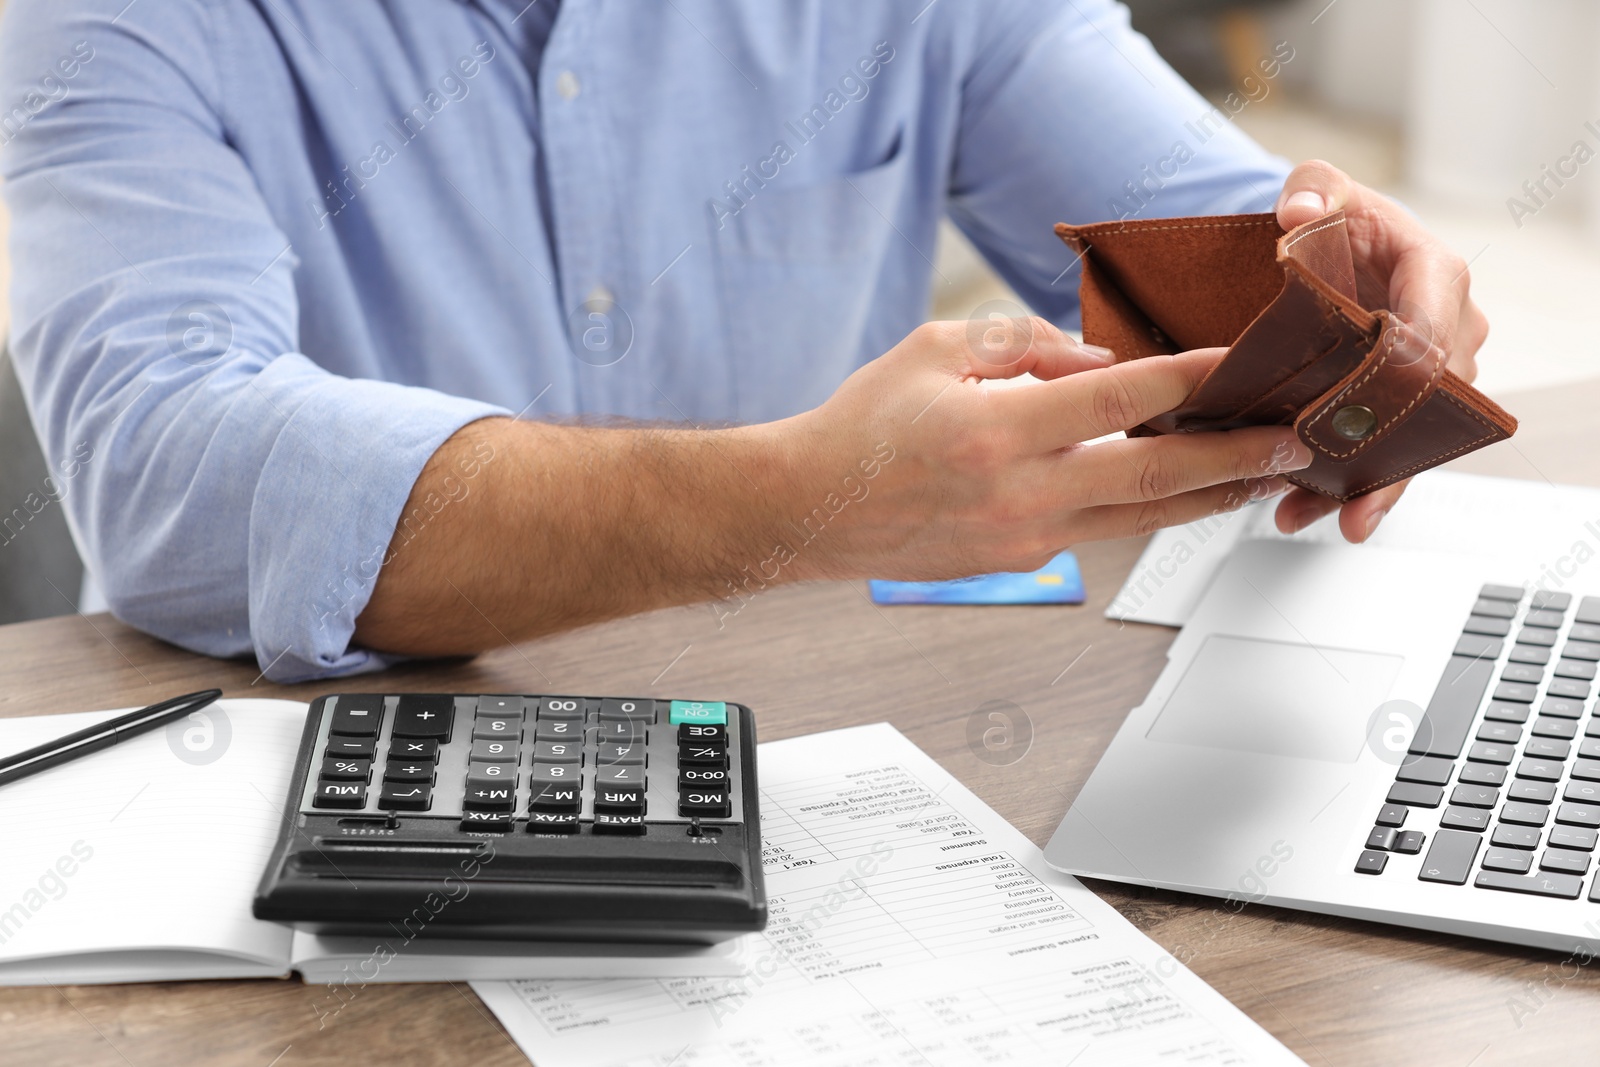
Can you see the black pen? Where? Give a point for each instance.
(101, 735)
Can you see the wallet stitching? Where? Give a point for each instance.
(1325, 226)
(1438, 368)
(1395, 476)
(1192, 226)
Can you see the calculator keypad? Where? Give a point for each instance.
(548, 764)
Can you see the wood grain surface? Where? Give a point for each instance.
(812, 658)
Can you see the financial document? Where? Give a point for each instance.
(910, 924)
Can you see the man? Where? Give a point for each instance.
(285, 270)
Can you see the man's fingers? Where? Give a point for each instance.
(1150, 468)
(1135, 520)
(1080, 407)
(1312, 190)
(1005, 347)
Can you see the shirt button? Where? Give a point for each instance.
(567, 85)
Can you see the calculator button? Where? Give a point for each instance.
(612, 777)
(690, 732)
(606, 823)
(702, 776)
(703, 755)
(413, 748)
(556, 795)
(408, 771)
(640, 710)
(699, 712)
(628, 732)
(611, 754)
(489, 728)
(627, 798)
(339, 795)
(558, 752)
(490, 794)
(558, 708)
(485, 751)
(352, 747)
(503, 707)
(566, 730)
(424, 716)
(487, 820)
(499, 772)
(405, 796)
(705, 803)
(357, 716)
(549, 822)
(348, 770)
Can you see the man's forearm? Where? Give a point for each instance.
(562, 526)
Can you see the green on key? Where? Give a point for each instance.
(698, 712)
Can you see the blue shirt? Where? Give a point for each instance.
(270, 254)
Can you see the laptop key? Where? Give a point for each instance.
(1544, 884)
(1483, 774)
(1518, 692)
(1540, 770)
(1588, 609)
(1578, 814)
(1578, 837)
(1534, 654)
(1533, 792)
(1381, 838)
(1392, 815)
(1416, 794)
(1494, 591)
(1488, 625)
(1586, 769)
(1575, 668)
(1446, 724)
(1523, 672)
(1479, 646)
(1464, 819)
(1524, 814)
(1589, 650)
(1409, 841)
(1488, 752)
(1583, 630)
(1582, 792)
(1475, 796)
(1564, 729)
(1450, 857)
(1546, 600)
(1550, 620)
(1569, 687)
(1547, 748)
(1507, 859)
(1530, 635)
(1495, 609)
(1430, 770)
(1370, 862)
(1500, 711)
(1561, 708)
(1523, 837)
(1508, 732)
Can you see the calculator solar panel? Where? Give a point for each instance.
(518, 816)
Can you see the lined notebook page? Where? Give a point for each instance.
(141, 860)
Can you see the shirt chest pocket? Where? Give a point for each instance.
(799, 268)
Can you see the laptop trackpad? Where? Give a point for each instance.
(1277, 698)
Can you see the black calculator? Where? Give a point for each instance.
(521, 817)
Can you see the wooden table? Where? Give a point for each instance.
(811, 658)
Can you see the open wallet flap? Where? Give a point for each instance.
(1366, 392)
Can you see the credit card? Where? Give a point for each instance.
(1057, 582)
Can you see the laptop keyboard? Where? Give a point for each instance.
(1518, 778)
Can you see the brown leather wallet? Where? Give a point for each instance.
(1366, 392)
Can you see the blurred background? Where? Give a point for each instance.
(1475, 113)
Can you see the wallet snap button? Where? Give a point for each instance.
(1354, 422)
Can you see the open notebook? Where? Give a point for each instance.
(138, 863)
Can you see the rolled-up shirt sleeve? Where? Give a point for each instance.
(1068, 115)
(228, 494)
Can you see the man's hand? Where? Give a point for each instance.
(988, 477)
(921, 466)
(1399, 266)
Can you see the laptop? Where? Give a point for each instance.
(1400, 736)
